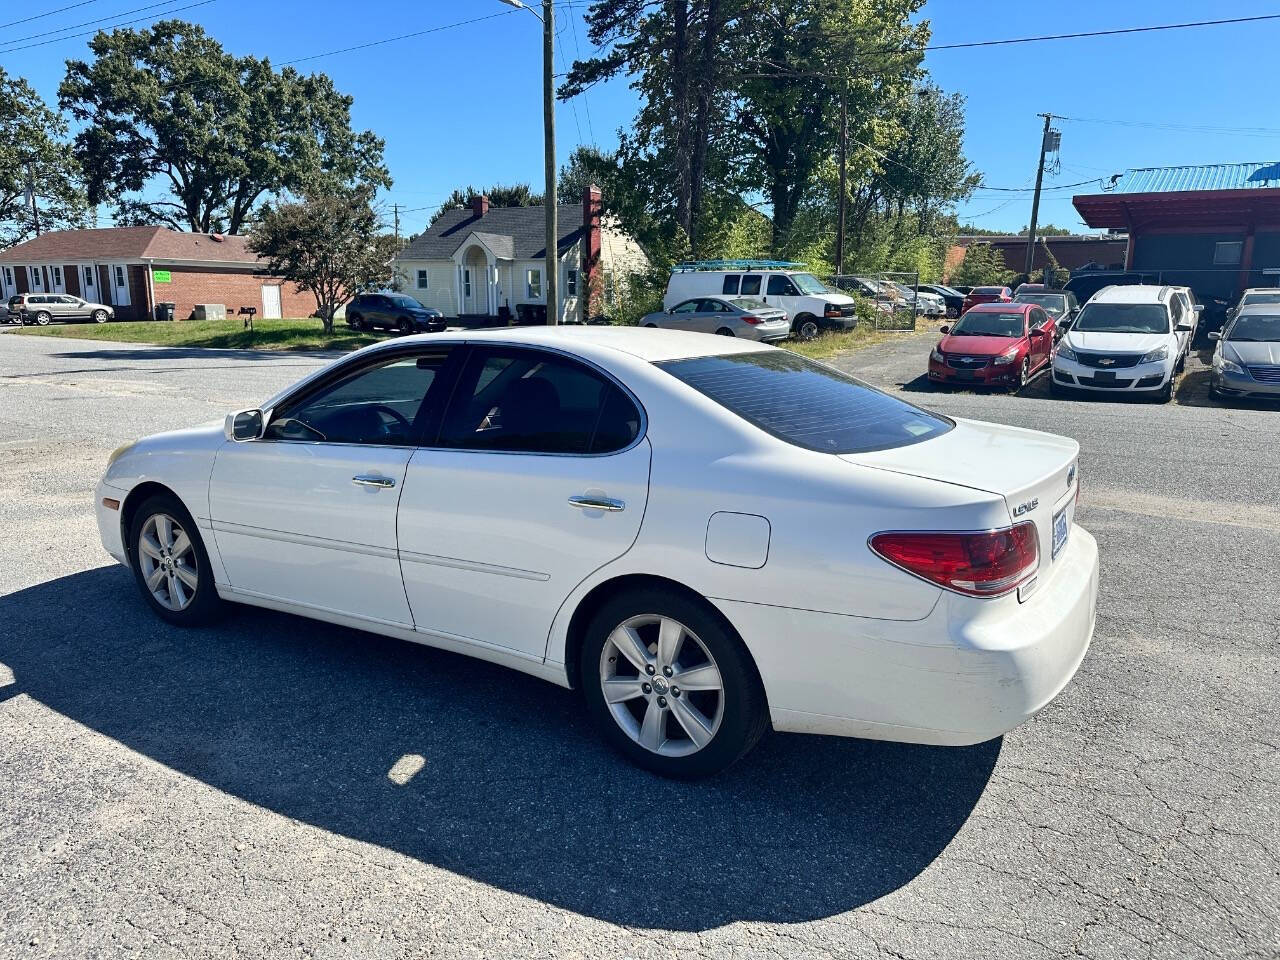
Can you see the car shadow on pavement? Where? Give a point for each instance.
(517, 791)
(143, 352)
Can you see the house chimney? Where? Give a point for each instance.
(480, 205)
(592, 274)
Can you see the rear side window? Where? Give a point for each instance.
(807, 404)
(730, 287)
(532, 402)
(751, 285)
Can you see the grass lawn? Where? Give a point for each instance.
(830, 344)
(229, 334)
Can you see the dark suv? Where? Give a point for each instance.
(393, 311)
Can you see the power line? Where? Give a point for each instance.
(1268, 132)
(86, 23)
(577, 52)
(1104, 33)
(403, 36)
(123, 23)
(47, 13)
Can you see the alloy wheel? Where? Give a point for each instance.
(808, 330)
(661, 685)
(167, 558)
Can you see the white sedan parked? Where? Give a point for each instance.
(703, 535)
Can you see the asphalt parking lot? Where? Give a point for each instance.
(235, 792)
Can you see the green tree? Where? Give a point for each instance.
(166, 109)
(330, 244)
(34, 144)
(500, 195)
(982, 265)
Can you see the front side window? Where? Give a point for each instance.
(780, 286)
(751, 285)
(423, 282)
(526, 401)
(533, 284)
(730, 286)
(1122, 318)
(384, 405)
(807, 404)
(990, 323)
(689, 306)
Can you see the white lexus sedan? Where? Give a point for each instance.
(703, 535)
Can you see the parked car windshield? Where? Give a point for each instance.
(806, 403)
(1256, 327)
(989, 323)
(808, 283)
(1122, 318)
(1053, 303)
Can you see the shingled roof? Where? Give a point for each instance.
(524, 228)
(130, 243)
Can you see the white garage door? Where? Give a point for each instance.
(270, 301)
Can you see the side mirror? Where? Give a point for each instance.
(1215, 334)
(1199, 308)
(244, 425)
(945, 328)
(1183, 328)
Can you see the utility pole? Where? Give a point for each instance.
(1035, 202)
(844, 149)
(549, 144)
(395, 209)
(31, 192)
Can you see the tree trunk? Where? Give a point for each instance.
(681, 113)
(702, 123)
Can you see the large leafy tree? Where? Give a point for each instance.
(34, 151)
(177, 131)
(330, 243)
(500, 195)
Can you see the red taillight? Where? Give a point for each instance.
(751, 318)
(977, 564)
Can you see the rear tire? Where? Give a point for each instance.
(99, 316)
(170, 563)
(404, 326)
(356, 322)
(651, 326)
(725, 332)
(640, 643)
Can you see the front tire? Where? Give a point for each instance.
(806, 327)
(670, 684)
(1024, 375)
(43, 318)
(170, 563)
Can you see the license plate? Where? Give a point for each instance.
(1061, 527)
(966, 375)
(1105, 375)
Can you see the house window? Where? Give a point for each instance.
(423, 283)
(8, 277)
(88, 279)
(35, 280)
(533, 284)
(119, 275)
(466, 282)
(57, 276)
(571, 283)
(1227, 253)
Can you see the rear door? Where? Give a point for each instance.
(539, 477)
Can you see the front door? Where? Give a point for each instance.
(540, 477)
(307, 513)
(271, 301)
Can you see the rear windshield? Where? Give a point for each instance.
(747, 303)
(806, 403)
(1122, 318)
(988, 289)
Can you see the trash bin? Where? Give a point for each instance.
(165, 310)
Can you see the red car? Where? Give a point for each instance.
(986, 295)
(994, 345)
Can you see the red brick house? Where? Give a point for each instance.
(134, 268)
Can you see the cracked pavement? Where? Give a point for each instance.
(227, 792)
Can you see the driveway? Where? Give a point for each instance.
(277, 787)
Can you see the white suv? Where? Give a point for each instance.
(1126, 338)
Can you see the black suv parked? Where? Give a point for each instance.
(393, 311)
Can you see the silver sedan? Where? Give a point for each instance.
(727, 316)
(1246, 362)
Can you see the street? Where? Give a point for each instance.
(242, 790)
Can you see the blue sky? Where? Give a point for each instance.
(463, 105)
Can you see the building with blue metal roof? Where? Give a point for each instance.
(1213, 227)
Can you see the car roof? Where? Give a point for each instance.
(1014, 305)
(1131, 293)
(1260, 290)
(598, 341)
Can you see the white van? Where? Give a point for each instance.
(810, 305)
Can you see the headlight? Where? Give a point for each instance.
(1006, 358)
(1161, 353)
(936, 356)
(1065, 351)
(119, 452)
(1223, 365)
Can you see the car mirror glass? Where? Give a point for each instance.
(1215, 335)
(945, 328)
(244, 425)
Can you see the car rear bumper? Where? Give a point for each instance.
(971, 670)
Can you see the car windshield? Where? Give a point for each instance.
(1122, 318)
(989, 323)
(1255, 327)
(406, 303)
(808, 283)
(1256, 298)
(1053, 303)
(807, 404)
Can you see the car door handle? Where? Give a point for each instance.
(365, 480)
(597, 503)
